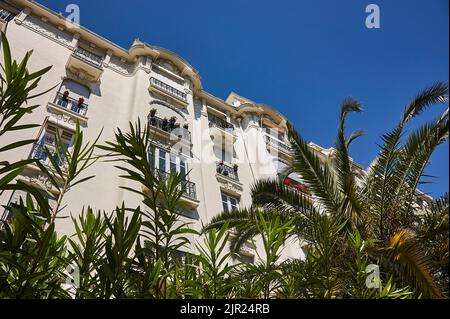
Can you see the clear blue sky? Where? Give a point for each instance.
(302, 57)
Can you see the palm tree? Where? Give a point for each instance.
(377, 203)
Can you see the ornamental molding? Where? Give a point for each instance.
(124, 68)
(129, 68)
(48, 31)
(81, 76)
(229, 185)
(63, 115)
(40, 180)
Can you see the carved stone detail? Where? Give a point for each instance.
(124, 68)
(48, 30)
(81, 76)
(226, 184)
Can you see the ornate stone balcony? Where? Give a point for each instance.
(165, 128)
(277, 145)
(83, 61)
(228, 171)
(71, 104)
(166, 89)
(5, 17)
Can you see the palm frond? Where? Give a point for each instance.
(437, 93)
(411, 264)
(274, 194)
(352, 205)
(317, 175)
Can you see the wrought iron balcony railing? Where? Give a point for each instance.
(167, 126)
(38, 152)
(188, 187)
(89, 57)
(226, 170)
(168, 89)
(71, 104)
(277, 144)
(220, 123)
(6, 16)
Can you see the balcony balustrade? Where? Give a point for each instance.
(188, 187)
(6, 16)
(71, 104)
(277, 144)
(169, 127)
(168, 89)
(215, 121)
(89, 63)
(226, 170)
(88, 57)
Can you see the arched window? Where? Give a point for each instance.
(73, 96)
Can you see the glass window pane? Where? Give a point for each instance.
(151, 156)
(233, 203)
(173, 163)
(225, 206)
(162, 160)
(224, 202)
(183, 168)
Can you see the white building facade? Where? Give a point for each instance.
(225, 145)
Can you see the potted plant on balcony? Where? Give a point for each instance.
(65, 96)
(165, 124)
(172, 121)
(220, 167)
(80, 102)
(235, 168)
(152, 112)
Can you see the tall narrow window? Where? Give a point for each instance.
(223, 153)
(173, 163)
(162, 160)
(151, 156)
(183, 168)
(224, 203)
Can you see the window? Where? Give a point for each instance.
(48, 140)
(224, 150)
(167, 162)
(173, 163)
(246, 258)
(151, 156)
(73, 96)
(18, 195)
(183, 168)
(162, 160)
(273, 132)
(229, 203)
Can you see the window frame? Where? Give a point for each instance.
(227, 200)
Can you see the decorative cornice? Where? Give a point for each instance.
(48, 31)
